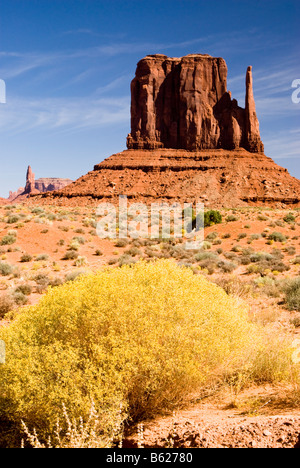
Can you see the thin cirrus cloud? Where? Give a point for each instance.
(272, 88)
(65, 114)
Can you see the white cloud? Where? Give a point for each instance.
(62, 114)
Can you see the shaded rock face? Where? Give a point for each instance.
(183, 103)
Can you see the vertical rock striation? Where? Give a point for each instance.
(183, 103)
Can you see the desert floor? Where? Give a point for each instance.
(253, 254)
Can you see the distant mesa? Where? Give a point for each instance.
(37, 186)
(189, 141)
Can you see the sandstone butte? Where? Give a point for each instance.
(34, 186)
(189, 141)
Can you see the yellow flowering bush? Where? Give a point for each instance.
(133, 340)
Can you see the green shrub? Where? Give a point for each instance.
(292, 295)
(134, 340)
(212, 217)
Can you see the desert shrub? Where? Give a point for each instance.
(233, 286)
(42, 257)
(134, 251)
(25, 289)
(6, 305)
(70, 255)
(227, 267)
(268, 286)
(99, 253)
(19, 298)
(217, 242)
(8, 240)
(81, 261)
(255, 237)
(231, 218)
(12, 232)
(236, 248)
(126, 260)
(37, 211)
(74, 275)
(78, 239)
(292, 294)
(277, 237)
(121, 243)
(134, 340)
(206, 245)
(13, 219)
(6, 269)
(25, 258)
(262, 217)
(290, 250)
(289, 218)
(211, 236)
(55, 282)
(112, 261)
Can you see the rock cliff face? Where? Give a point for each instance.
(184, 104)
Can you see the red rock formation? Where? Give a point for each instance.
(183, 103)
(216, 177)
(252, 136)
(50, 184)
(37, 186)
(30, 182)
(14, 195)
(190, 142)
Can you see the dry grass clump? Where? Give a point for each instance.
(77, 434)
(142, 338)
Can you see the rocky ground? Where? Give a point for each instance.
(204, 427)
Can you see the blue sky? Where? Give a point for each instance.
(68, 66)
